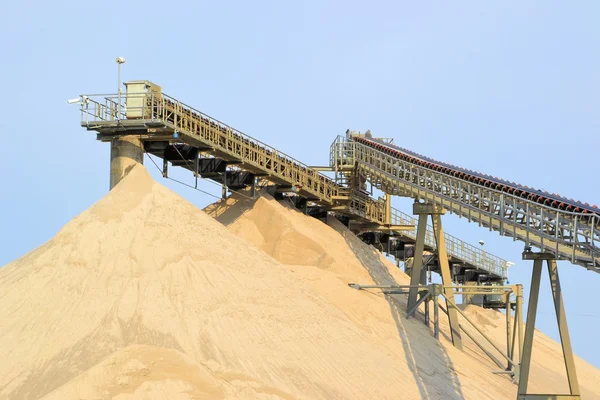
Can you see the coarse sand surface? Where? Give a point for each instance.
(145, 296)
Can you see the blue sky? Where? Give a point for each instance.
(510, 88)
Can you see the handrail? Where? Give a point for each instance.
(147, 109)
(456, 247)
(181, 109)
(186, 119)
(572, 236)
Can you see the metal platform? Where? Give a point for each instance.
(160, 118)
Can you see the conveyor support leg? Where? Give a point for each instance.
(538, 259)
(125, 153)
(424, 211)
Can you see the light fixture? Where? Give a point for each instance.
(119, 60)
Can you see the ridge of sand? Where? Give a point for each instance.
(352, 258)
(143, 266)
(145, 296)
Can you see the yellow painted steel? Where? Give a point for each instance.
(158, 115)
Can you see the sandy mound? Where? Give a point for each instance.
(145, 296)
(294, 238)
(145, 267)
(467, 374)
(141, 372)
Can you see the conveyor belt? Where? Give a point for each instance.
(457, 249)
(569, 229)
(161, 117)
(552, 200)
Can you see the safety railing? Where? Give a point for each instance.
(145, 108)
(342, 155)
(184, 119)
(455, 247)
(571, 236)
(368, 208)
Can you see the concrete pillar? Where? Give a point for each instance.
(125, 153)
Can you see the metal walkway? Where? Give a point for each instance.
(458, 250)
(183, 136)
(567, 228)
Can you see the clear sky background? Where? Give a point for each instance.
(508, 88)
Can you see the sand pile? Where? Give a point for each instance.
(145, 296)
(144, 267)
(439, 371)
(144, 293)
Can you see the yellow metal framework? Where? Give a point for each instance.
(155, 115)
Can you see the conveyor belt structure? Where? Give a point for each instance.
(567, 228)
(186, 137)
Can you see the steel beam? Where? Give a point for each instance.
(486, 337)
(424, 211)
(527, 347)
(415, 275)
(530, 327)
(519, 316)
(508, 331)
(436, 312)
(414, 308)
(563, 329)
(477, 342)
(569, 235)
(446, 280)
(388, 209)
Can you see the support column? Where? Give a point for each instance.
(508, 330)
(538, 259)
(436, 311)
(563, 329)
(224, 186)
(446, 280)
(388, 209)
(417, 262)
(196, 167)
(424, 211)
(519, 316)
(125, 153)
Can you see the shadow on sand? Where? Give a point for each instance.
(227, 211)
(411, 338)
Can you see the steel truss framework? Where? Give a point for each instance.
(561, 318)
(559, 234)
(570, 236)
(159, 117)
(456, 248)
(432, 292)
(416, 277)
